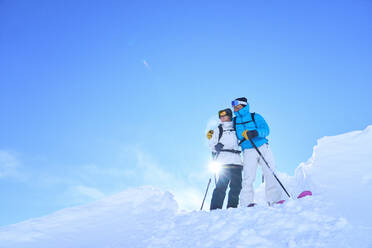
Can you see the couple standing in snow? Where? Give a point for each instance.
(224, 142)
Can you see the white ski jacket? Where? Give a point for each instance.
(230, 142)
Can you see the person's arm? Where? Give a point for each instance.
(262, 128)
(214, 140)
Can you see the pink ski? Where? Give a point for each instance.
(302, 195)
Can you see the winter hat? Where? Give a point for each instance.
(239, 101)
(224, 112)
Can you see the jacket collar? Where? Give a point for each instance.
(227, 124)
(244, 111)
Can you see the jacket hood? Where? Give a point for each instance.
(243, 111)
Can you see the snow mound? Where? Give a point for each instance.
(337, 215)
(340, 170)
(133, 216)
(297, 224)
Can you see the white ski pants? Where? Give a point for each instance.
(251, 160)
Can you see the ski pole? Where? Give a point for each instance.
(209, 182)
(214, 157)
(268, 166)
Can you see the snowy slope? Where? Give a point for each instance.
(340, 170)
(339, 174)
(133, 216)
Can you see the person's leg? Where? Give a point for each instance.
(250, 161)
(220, 191)
(235, 187)
(272, 190)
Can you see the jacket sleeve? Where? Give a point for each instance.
(262, 127)
(214, 140)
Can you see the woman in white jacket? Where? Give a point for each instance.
(224, 144)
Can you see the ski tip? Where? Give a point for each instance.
(304, 193)
(280, 202)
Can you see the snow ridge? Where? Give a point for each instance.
(339, 173)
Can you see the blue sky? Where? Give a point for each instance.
(100, 96)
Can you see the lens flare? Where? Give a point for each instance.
(215, 167)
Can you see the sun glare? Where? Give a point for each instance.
(215, 167)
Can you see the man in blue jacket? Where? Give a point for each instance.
(253, 126)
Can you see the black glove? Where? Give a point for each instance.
(218, 147)
(250, 134)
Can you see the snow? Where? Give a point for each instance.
(340, 170)
(339, 173)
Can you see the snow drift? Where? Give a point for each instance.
(339, 173)
(340, 170)
(134, 216)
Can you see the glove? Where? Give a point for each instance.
(218, 147)
(210, 134)
(249, 134)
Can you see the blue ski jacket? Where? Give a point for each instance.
(244, 122)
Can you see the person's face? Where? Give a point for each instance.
(225, 118)
(238, 107)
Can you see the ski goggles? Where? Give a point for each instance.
(237, 102)
(222, 113)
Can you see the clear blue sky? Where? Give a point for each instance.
(99, 96)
